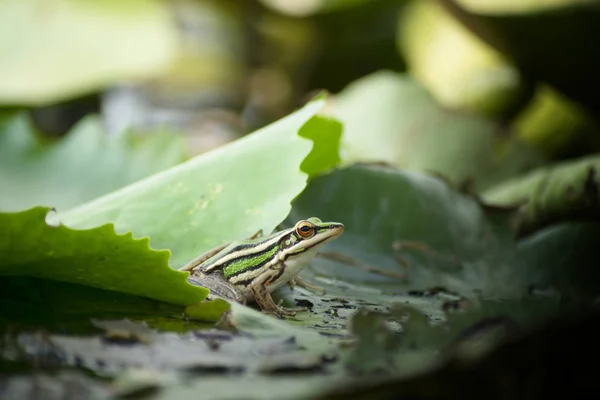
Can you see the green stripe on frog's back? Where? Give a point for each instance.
(250, 262)
(232, 258)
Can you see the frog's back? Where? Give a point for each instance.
(237, 250)
(227, 253)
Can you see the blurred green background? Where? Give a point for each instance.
(215, 70)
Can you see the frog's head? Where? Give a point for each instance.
(307, 236)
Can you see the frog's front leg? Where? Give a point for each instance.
(218, 285)
(260, 291)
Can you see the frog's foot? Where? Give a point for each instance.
(281, 311)
(263, 297)
(289, 311)
(297, 281)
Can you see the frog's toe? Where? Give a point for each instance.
(292, 311)
(279, 314)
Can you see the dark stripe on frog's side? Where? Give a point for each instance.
(248, 281)
(243, 283)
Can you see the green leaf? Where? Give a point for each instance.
(97, 257)
(562, 258)
(562, 192)
(85, 164)
(223, 195)
(68, 307)
(406, 128)
(556, 125)
(78, 47)
(383, 208)
(325, 153)
(207, 310)
(448, 240)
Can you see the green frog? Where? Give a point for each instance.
(249, 270)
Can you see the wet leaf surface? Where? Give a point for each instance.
(551, 360)
(65, 384)
(114, 351)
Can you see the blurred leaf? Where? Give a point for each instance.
(460, 70)
(552, 42)
(261, 351)
(62, 384)
(420, 345)
(563, 259)
(294, 362)
(406, 128)
(563, 192)
(56, 49)
(375, 343)
(306, 8)
(219, 196)
(84, 165)
(98, 257)
(528, 365)
(556, 125)
(189, 352)
(516, 315)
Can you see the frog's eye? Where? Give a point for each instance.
(305, 229)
